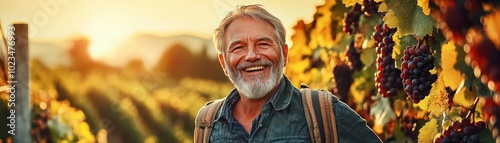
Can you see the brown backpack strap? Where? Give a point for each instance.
(320, 116)
(205, 119)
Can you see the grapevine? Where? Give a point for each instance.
(455, 43)
(466, 131)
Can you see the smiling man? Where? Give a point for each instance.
(265, 106)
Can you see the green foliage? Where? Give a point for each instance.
(129, 105)
(408, 18)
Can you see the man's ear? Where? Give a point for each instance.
(285, 54)
(222, 64)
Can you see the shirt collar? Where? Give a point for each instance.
(280, 100)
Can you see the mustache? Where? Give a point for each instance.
(245, 64)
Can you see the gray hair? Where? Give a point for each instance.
(256, 12)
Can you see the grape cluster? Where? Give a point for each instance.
(484, 57)
(417, 80)
(407, 125)
(462, 132)
(351, 19)
(370, 7)
(39, 128)
(491, 112)
(450, 93)
(342, 79)
(387, 78)
(353, 55)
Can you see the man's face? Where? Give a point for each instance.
(253, 60)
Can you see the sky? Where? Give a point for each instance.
(109, 22)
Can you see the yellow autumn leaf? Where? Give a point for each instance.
(396, 51)
(425, 6)
(428, 131)
(491, 28)
(464, 96)
(390, 19)
(349, 3)
(382, 7)
(448, 60)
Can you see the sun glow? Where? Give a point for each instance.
(103, 45)
(104, 40)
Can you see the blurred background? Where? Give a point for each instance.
(130, 71)
(125, 70)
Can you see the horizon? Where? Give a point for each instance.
(108, 24)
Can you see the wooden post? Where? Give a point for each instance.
(21, 82)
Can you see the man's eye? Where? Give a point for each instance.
(264, 44)
(237, 47)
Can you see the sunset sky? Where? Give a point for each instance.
(108, 22)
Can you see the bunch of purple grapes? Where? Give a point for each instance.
(354, 57)
(370, 7)
(417, 80)
(462, 132)
(387, 78)
(351, 19)
(342, 79)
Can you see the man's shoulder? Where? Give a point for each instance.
(319, 92)
(216, 101)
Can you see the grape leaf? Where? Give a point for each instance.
(436, 41)
(408, 18)
(339, 9)
(368, 56)
(425, 6)
(382, 7)
(464, 96)
(363, 83)
(428, 131)
(453, 77)
(349, 3)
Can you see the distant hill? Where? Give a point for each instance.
(150, 47)
(177, 56)
(52, 53)
(145, 47)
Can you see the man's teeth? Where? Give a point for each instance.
(254, 68)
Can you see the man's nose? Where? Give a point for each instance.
(252, 54)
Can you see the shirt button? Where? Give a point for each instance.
(260, 125)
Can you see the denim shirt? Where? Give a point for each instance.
(282, 119)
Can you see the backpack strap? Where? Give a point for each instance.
(205, 119)
(320, 116)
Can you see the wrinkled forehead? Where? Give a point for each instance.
(245, 29)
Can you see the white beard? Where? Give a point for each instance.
(258, 89)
